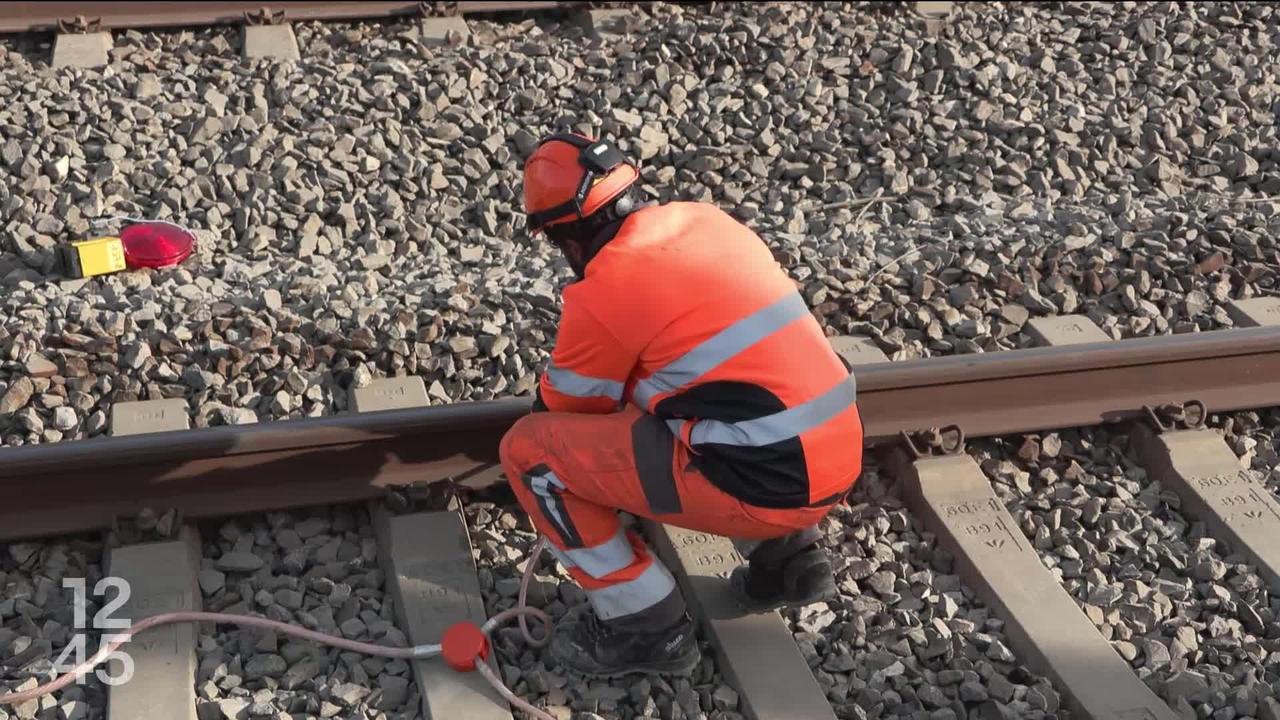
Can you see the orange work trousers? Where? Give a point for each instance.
(573, 472)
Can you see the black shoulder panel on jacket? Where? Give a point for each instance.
(768, 476)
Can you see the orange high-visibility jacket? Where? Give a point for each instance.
(686, 314)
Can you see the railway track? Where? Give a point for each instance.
(973, 582)
(234, 519)
(82, 30)
(63, 16)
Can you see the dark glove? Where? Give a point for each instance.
(538, 404)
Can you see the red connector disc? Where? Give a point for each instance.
(462, 644)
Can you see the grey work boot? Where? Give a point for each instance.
(596, 649)
(793, 570)
(660, 640)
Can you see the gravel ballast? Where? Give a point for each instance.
(1254, 436)
(318, 569)
(37, 623)
(358, 211)
(905, 638)
(1197, 624)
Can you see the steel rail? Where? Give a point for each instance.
(211, 472)
(44, 16)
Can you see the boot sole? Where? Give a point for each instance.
(679, 666)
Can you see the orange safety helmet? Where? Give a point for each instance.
(570, 177)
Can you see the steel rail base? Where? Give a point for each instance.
(211, 472)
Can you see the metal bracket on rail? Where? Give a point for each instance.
(934, 442)
(896, 459)
(423, 496)
(145, 526)
(437, 9)
(79, 25)
(1189, 415)
(264, 16)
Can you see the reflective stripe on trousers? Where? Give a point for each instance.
(632, 596)
(547, 487)
(601, 560)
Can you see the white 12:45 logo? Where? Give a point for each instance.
(101, 621)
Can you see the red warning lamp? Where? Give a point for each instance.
(156, 244)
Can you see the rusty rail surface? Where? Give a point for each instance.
(211, 472)
(44, 16)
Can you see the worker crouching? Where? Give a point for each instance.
(689, 384)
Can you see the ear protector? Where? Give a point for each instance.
(624, 204)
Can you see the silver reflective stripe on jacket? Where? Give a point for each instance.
(715, 350)
(776, 427)
(568, 382)
(719, 348)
